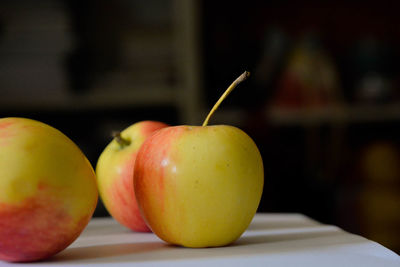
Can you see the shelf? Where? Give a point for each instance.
(94, 100)
(334, 114)
(309, 116)
(150, 60)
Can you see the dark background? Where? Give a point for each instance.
(322, 101)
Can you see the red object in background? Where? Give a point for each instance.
(310, 78)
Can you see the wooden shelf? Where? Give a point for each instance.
(94, 100)
(334, 114)
(309, 116)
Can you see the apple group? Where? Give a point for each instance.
(194, 186)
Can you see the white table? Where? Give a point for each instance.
(271, 240)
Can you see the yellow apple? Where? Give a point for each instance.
(114, 171)
(48, 190)
(199, 186)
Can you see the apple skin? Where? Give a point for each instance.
(48, 190)
(199, 186)
(114, 171)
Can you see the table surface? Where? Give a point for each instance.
(270, 240)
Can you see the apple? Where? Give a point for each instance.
(48, 190)
(199, 186)
(114, 171)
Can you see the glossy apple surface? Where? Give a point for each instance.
(199, 186)
(48, 190)
(115, 171)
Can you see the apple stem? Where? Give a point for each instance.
(238, 80)
(120, 140)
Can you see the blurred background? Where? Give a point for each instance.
(322, 102)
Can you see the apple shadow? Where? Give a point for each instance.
(105, 251)
(268, 244)
(265, 242)
(288, 237)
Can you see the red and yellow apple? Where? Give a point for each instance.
(114, 171)
(199, 186)
(48, 190)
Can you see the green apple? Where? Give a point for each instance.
(199, 186)
(114, 171)
(48, 190)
